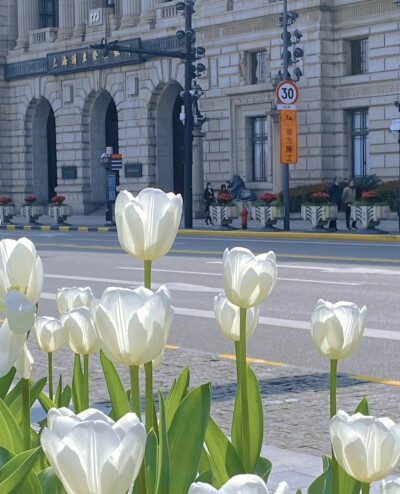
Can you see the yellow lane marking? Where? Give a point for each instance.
(252, 360)
(380, 380)
(172, 347)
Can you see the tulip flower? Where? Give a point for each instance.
(248, 279)
(20, 312)
(227, 316)
(20, 269)
(148, 223)
(92, 454)
(239, 484)
(283, 488)
(24, 363)
(69, 298)
(133, 325)
(390, 486)
(11, 345)
(79, 331)
(49, 334)
(367, 448)
(336, 329)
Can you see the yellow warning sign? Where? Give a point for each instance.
(289, 144)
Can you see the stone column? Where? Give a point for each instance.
(81, 12)
(67, 18)
(148, 13)
(198, 183)
(28, 16)
(115, 18)
(130, 13)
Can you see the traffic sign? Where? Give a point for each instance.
(287, 93)
(289, 144)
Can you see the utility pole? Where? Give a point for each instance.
(286, 177)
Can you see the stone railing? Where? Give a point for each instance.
(46, 35)
(165, 10)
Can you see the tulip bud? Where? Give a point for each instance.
(92, 454)
(20, 312)
(24, 363)
(283, 488)
(11, 345)
(227, 316)
(69, 298)
(148, 223)
(133, 325)
(336, 329)
(390, 486)
(248, 279)
(366, 447)
(243, 484)
(79, 331)
(49, 334)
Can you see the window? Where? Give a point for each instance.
(259, 145)
(258, 67)
(48, 13)
(360, 142)
(359, 56)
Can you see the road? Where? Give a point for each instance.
(365, 273)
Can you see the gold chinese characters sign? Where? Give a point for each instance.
(289, 141)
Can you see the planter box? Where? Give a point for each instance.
(31, 212)
(370, 216)
(7, 211)
(59, 212)
(223, 215)
(319, 215)
(267, 215)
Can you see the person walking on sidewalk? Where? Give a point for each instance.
(348, 197)
(209, 199)
(335, 196)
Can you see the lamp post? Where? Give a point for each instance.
(395, 131)
(190, 55)
(105, 162)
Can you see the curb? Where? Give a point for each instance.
(62, 228)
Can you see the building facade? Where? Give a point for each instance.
(63, 102)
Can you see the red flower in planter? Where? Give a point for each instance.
(5, 200)
(369, 194)
(319, 198)
(268, 198)
(57, 199)
(30, 199)
(224, 197)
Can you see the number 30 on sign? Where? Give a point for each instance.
(287, 93)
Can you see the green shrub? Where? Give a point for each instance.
(301, 194)
(388, 192)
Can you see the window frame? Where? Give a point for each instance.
(359, 56)
(258, 65)
(263, 140)
(47, 17)
(360, 135)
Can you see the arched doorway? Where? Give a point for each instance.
(44, 151)
(169, 139)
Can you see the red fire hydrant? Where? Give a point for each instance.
(244, 215)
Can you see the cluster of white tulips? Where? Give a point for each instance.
(92, 453)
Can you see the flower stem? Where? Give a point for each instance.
(26, 413)
(147, 274)
(50, 371)
(148, 368)
(135, 392)
(86, 381)
(365, 488)
(237, 352)
(335, 466)
(243, 391)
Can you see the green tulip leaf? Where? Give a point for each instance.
(66, 396)
(45, 401)
(163, 467)
(298, 491)
(119, 401)
(78, 385)
(205, 463)
(323, 483)
(50, 483)
(256, 419)
(263, 468)
(57, 397)
(348, 484)
(363, 407)
(151, 461)
(224, 459)
(186, 437)
(17, 475)
(13, 394)
(207, 477)
(34, 392)
(10, 433)
(177, 393)
(5, 383)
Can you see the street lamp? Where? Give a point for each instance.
(395, 131)
(105, 162)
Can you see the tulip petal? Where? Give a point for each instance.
(11, 345)
(202, 488)
(49, 334)
(24, 363)
(20, 312)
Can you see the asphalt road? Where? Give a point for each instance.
(366, 273)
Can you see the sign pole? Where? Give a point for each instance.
(286, 190)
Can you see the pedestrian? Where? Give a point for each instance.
(223, 195)
(348, 197)
(209, 199)
(335, 196)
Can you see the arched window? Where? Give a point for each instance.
(48, 13)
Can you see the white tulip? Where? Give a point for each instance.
(79, 331)
(390, 486)
(24, 363)
(20, 269)
(366, 447)
(148, 223)
(248, 279)
(92, 454)
(133, 325)
(227, 316)
(49, 334)
(20, 312)
(239, 484)
(11, 345)
(336, 329)
(69, 298)
(283, 488)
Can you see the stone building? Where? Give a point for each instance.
(63, 102)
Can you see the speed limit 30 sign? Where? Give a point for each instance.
(287, 93)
